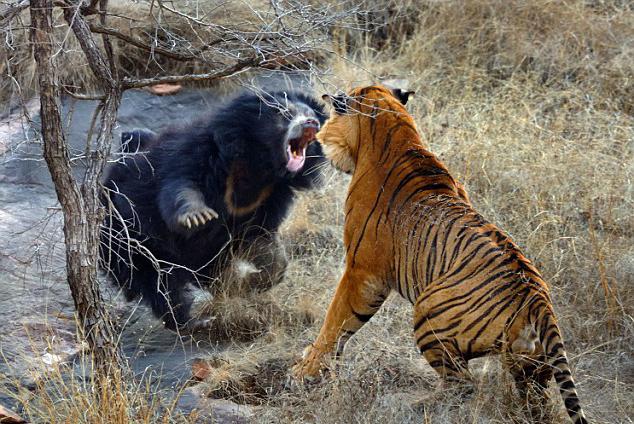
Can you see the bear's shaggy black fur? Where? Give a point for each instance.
(188, 195)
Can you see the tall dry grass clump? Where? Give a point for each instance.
(70, 393)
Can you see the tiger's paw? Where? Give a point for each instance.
(310, 368)
(196, 217)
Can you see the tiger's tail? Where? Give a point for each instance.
(552, 342)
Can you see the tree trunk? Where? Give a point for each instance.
(81, 207)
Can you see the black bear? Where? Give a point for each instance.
(179, 201)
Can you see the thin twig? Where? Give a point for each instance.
(80, 96)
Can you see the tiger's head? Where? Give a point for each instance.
(352, 119)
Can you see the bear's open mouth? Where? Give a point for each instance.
(296, 149)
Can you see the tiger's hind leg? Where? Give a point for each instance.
(527, 364)
(437, 342)
(451, 366)
(531, 377)
(452, 369)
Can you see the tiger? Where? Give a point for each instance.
(410, 227)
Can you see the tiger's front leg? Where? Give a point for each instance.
(356, 300)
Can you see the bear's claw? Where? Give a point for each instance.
(197, 217)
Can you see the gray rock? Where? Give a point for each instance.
(220, 411)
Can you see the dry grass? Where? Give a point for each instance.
(530, 105)
(69, 393)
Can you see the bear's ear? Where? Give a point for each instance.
(339, 102)
(402, 95)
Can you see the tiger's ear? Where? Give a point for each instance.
(402, 95)
(338, 102)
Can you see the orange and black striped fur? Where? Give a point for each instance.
(409, 227)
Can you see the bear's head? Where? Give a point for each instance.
(263, 138)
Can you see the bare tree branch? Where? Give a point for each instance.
(140, 44)
(112, 92)
(95, 60)
(103, 6)
(240, 66)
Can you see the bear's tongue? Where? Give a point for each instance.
(295, 160)
(296, 149)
